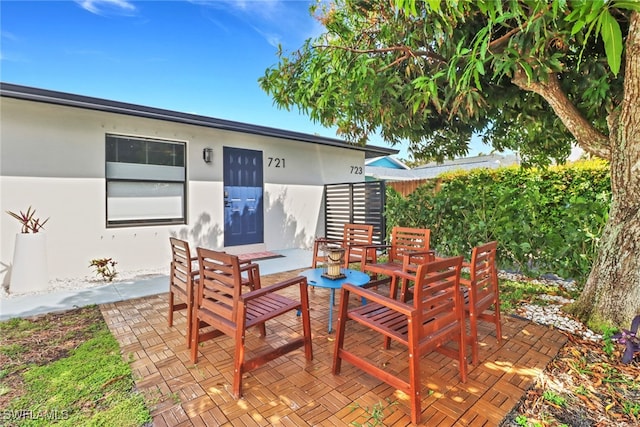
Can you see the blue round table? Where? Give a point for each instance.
(315, 278)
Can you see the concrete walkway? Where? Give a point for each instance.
(31, 305)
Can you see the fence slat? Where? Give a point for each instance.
(355, 203)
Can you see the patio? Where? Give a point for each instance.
(289, 391)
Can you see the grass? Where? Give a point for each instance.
(375, 414)
(513, 293)
(66, 368)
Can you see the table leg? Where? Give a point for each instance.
(332, 300)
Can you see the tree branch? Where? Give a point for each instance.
(505, 38)
(588, 137)
(406, 51)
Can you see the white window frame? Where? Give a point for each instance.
(144, 193)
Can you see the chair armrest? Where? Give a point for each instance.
(374, 258)
(248, 265)
(411, 254)
(402, 274)
(377, 246)
(195, 269)
(371, 296)
(272, 288)
(358, 245)
(326, 240)
(415, 254)
(252, 277)
(409, 261)
(377, 282)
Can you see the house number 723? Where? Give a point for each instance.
(275, 162)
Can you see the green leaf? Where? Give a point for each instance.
(434, 5)
(416, 105)
(612, 37)
(579, 25)
(627, 4)
(573, 16)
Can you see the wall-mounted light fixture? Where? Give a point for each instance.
(207, 155)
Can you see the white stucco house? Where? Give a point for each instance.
(117, 179)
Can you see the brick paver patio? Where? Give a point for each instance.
(291, 392)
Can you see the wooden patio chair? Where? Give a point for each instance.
(408, 247)
(220, 304)
(355, 239)
(434, 317)
(481, 293)
(182, 275)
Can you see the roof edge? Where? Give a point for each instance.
(16, 91)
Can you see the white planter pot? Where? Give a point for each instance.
(29, 272)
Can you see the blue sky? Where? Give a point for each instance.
(201, 57)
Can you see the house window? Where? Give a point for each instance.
(146, 181)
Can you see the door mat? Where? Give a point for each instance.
(255, 256)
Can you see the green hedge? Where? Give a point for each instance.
(545, 220)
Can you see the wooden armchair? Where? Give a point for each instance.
(220, 303)
(434, 317)
(355, 239)
(181, 281)
(480, 293)
(408, 248)
(183, 276)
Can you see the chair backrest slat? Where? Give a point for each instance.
(355, 239)
(181, 268)
(437, 294)
(484, 274)
(405, 239)
(182, 274)
(358, 234)
(220, 283)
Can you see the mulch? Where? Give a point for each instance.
(582, 386)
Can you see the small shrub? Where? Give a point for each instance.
(29, 222)
(105, 268)
(607, 339)
(554, 398)
(629, 338)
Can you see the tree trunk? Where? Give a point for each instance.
(612, 292)
(611, 295)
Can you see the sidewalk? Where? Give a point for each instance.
(31, 305)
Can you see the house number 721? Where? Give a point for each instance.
(275, 162)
